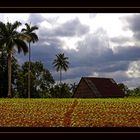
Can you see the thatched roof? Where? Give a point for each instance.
(89, 87)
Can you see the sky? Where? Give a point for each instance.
(97, 44)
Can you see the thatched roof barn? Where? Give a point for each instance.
(93, 87)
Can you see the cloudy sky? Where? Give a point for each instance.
(97, 44)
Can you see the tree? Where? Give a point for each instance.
(32, 37)
(135, 92)
(41, 80)
(3, 73)
(9, 38)
(123, 87)
(61, 63)
(73, 87)
(61, 91)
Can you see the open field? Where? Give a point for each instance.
(70, 112)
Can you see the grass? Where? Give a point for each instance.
(117, 112)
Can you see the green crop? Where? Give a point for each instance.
(115, 112)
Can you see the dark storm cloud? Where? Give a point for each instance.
(68, 29)
(115, 66)
(93, 55)
(71, 28)
(46, 53)
(92, 50)
(85, 65)
(120, 39)
(118, 76)
(133, 23)
(75, 72)
(127, 53)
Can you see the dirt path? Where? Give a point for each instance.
(68, 114)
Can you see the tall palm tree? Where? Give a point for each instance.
(61, 63)
(9, 38)
(32, 37)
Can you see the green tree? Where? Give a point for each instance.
(9, 38)
(61, 91)
(123, 87)
(61, 63)
(32, 37)
(41, 80)
(3, 73)
(73, 87)
(134, 92)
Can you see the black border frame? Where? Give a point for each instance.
(61, 6)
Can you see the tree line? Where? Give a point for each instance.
(135, 92)
(30, 79)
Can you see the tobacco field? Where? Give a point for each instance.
(116, 112)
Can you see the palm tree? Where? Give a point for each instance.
(9, 38)
(61, 63)
(32, 37)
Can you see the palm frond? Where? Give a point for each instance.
(34, 37)
(33, 28)
(21, 45)
(3, 29)
(27, 26)
(2, 41)
(29, 31)
(61, 63)
(23, 30)
(15, 25)
(24, 36)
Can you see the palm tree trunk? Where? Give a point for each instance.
(9, 74)
(60, 81)
(29, 71)
(60, 76)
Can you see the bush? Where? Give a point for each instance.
(61, 91)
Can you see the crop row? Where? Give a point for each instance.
(70, 112)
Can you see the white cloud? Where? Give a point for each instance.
(134, 69)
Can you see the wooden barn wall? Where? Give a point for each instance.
(83, 91)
